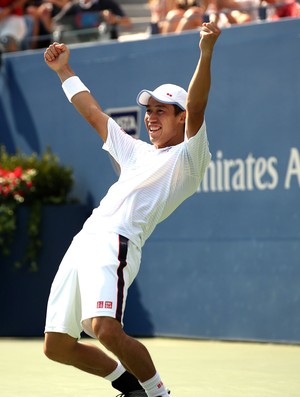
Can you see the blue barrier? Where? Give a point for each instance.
(226, 264)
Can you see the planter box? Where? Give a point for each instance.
(24, 294)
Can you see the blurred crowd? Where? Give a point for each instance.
(179, 15)
(31, 24)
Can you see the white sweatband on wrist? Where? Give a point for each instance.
(72, 86)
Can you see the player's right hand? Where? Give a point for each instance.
(57, 56)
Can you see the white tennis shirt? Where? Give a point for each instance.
(152, 183)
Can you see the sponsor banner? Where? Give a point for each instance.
(252, 172)
(128, 118)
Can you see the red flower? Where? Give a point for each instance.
(17, 184)
(18, 172)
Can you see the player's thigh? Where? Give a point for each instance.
(64, 303)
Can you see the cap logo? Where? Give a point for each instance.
(169, 94)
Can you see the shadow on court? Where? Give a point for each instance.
(191, 368)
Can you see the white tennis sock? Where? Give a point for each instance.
(154, 387)
(116, 373)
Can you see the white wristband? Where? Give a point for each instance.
(72, 86)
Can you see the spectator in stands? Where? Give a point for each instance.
(42, 13)
(282, 9)
(65, 15)
(12, 24)
(222, 12)
(90, 13)
(241, 11)
(232, 12)
(186, 15)
(190, 17)
(159, 10)
(175, 15)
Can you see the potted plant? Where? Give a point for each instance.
(28, 182)
(38, 220)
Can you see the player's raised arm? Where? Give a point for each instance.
(57, 58)
(200, 83)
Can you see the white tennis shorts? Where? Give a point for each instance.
(92, 281)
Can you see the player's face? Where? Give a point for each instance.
(163, 126)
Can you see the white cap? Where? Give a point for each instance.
(166, 93)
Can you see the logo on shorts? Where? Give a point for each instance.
(104, 304)
(108, 305)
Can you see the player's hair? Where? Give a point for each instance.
(177, 109)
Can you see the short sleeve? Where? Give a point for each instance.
(121, 146)
(198, 151)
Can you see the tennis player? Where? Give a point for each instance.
(90, 288)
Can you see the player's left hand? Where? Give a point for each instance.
(209, 34)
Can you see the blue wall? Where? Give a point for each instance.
(227, 263)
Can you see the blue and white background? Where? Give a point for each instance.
(226, 264)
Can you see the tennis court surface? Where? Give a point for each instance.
(191, 368)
